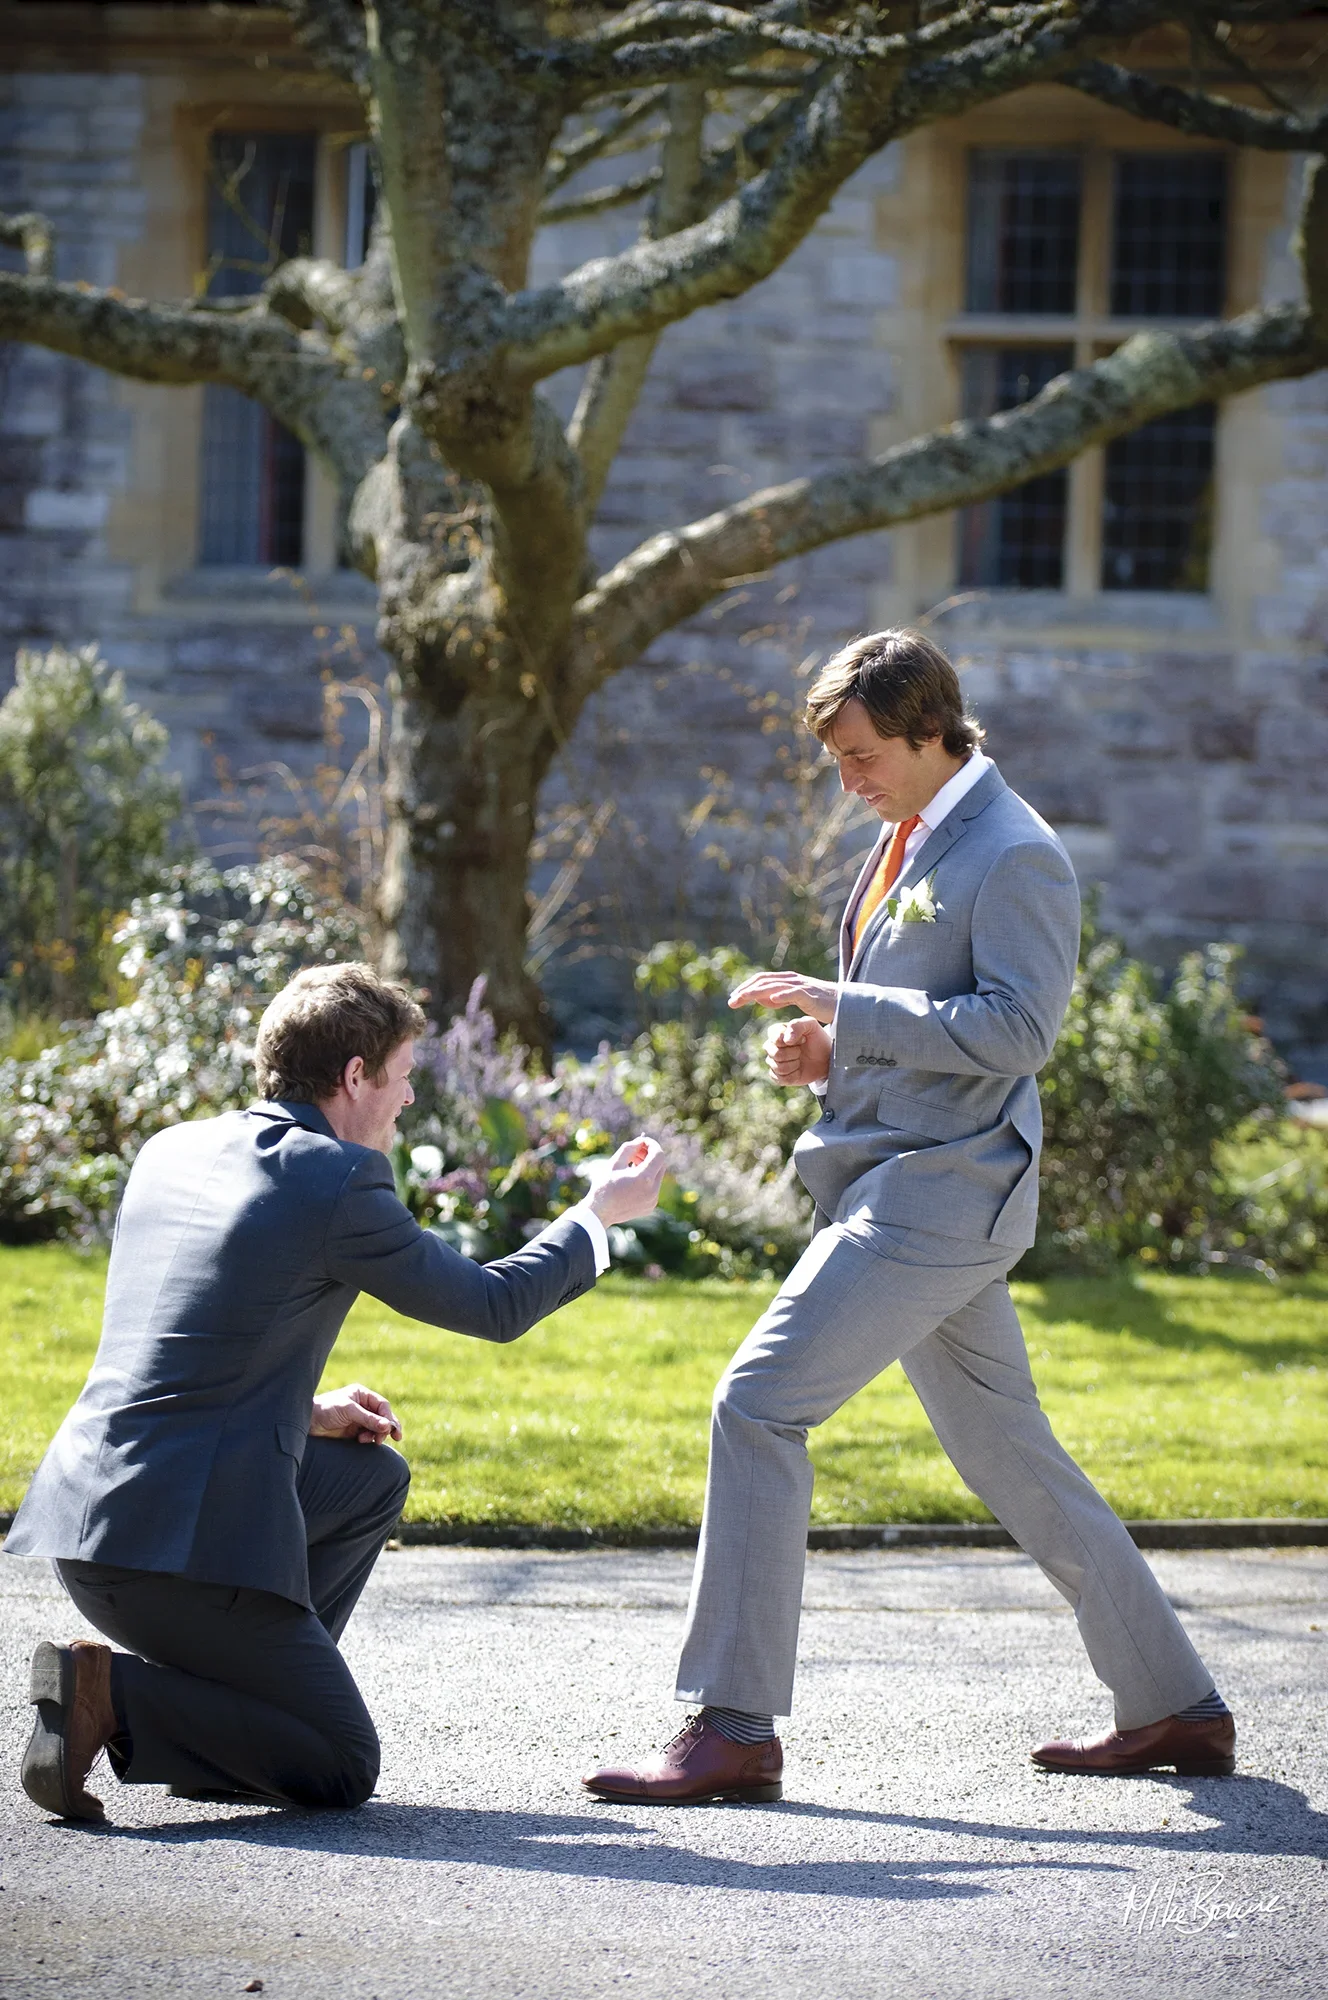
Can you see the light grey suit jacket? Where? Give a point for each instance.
(241, 1245)
(931, 1116)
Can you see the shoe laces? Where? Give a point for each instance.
(691, 1730)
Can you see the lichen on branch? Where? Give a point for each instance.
(671, 576)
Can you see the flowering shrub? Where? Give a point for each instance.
(199, 960)
(1160, 1139)
(492, 1149)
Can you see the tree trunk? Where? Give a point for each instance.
(463, 786)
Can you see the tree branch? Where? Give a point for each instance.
(1311, 244)
(643, 289)
(752, 150)
(731, 39)
(313, 291)
(601, 201)
(622, 52)
(1197, 113)
(670, 577)
(598, 140)
(333, 31)
(330, 409)
(856, 109)
(614, 382)
(723, 170)
(1231, 59)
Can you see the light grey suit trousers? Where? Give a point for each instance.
(856, 1301)
(924, 1168)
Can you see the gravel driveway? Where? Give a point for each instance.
(917, 1851)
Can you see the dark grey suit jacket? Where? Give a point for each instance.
(242, 1243)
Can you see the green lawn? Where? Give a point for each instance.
(1180, 1396)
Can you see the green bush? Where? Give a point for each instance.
(1146, 1082)
(86, 813)
(1273, 1180)
(1162, 1138)
(700, 1069)
(493, 1148)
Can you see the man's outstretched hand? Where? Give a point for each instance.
(628, 1185)
(817, 997)
(357, 1414)
(798, 1052)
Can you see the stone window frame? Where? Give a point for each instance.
(256, 592)
(1091, 331)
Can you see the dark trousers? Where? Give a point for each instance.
(224, 1690)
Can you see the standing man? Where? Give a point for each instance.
(957, 954)
(205, 1508)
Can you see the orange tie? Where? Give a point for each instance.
(883, 881)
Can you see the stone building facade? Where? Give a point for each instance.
(1177, 734)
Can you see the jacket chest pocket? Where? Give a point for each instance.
(932, 944)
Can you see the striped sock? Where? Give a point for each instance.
(1206, 1710)
(740, 1725)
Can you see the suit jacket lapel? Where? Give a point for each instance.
(919, 864)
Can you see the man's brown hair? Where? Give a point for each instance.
(326, 1015)
(907, 687)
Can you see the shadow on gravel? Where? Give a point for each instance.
(1252, 1816)
(593, 1844)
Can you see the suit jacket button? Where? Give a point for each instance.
(828, 1116)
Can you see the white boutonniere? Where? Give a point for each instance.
(917, 905)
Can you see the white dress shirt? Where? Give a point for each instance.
(929, 819)
(945, 801)
(595, 1230)
(936, 809)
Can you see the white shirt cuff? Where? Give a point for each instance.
(595, 1230)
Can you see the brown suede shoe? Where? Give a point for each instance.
(698, 1766)
(1192, 1749)
(71, 1687)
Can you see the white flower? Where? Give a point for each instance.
(426, 1159)
(917, 905)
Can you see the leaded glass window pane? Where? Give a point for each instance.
(1023, 232)
(1169, 239)
(1018, 540)
(1158, 513)
(260, 211)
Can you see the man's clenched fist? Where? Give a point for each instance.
(798, 1051)
(357, 1414)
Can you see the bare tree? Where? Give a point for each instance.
(417, 377)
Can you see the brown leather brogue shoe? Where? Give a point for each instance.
(698, 1767)
(71, 1688)
(1192, 1749)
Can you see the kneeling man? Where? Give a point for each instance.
(205, 1509)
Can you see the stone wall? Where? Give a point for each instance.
(68, 148)
(233, 664)
(1184, 764)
